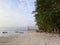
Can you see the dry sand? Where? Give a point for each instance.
(30, 38)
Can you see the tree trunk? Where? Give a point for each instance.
(59, 31)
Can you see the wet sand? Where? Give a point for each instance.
(30, 38)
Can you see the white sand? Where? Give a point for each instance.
(30, 38)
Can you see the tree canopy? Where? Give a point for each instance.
(47, 14)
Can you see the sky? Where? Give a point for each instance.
(17, 13)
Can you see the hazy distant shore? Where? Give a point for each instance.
(30, 38)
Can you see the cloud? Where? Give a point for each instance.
(16, 13)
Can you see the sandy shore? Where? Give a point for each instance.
(30, 38)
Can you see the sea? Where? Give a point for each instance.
(12, 30)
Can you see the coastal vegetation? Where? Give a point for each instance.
(47, 15)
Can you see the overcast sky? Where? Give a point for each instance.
(16, 13)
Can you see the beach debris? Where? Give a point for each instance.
(45, 43)
(4, 32)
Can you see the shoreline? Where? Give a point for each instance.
(30, 38)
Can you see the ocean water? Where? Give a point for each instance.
(8, 31)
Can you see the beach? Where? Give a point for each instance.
(30, 38)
